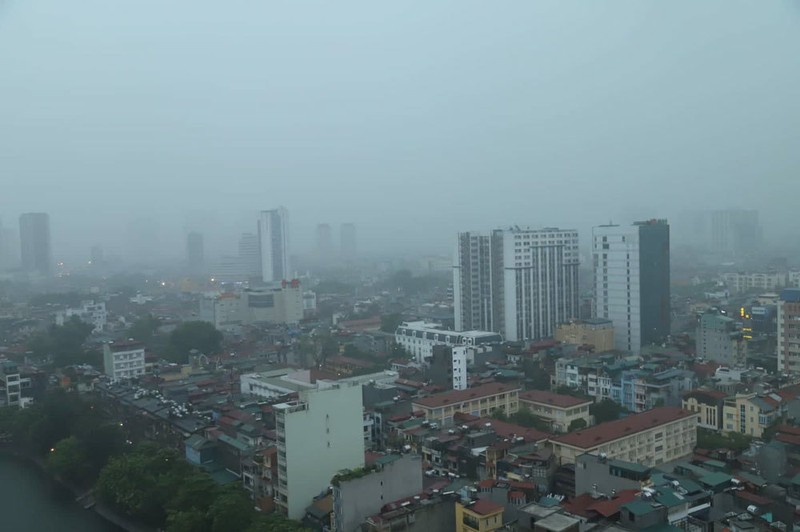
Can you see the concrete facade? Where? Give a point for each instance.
(318, 436)
(354, 500)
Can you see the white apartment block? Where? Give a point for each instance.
(89, 312)
(521, 282)
(419, 337)
(318, 435)
(460, 362)
(744, 282)
(124, 360)
(789, 331)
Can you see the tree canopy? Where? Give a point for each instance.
(606, 410)
(199, 335)
(63, 342)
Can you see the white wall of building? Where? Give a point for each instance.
(322, 434)
(615, 251)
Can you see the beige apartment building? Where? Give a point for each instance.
(480, 401)
(649, 438)
(557, 409)
(597, 332)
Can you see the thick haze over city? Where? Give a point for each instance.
(412, 120)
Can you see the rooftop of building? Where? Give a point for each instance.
(613, 430)
(790, 295)
(484, 507)
(460, 396)
(551, 398)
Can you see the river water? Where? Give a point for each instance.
(30, 501)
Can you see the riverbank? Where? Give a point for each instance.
(82, 497)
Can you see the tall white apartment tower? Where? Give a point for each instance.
(318, 435)
(632, 281)
(273, 238)
(519, 282)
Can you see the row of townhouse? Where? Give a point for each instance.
(636, 386)
(744, 413)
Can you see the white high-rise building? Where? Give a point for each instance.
(519, 282)
(273, 238)
(319, 435)
(631, 281)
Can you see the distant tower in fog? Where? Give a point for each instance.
(347, 241)
(249, 258)
(194, 251)
(273, 238)
(96, 255)
(324, 241)
(34, 237)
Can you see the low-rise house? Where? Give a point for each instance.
(480, 401)
(558, 410)
(650, 438)
(708, 404)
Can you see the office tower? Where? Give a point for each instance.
(324, 241)
(318, 435)
(789, 331)
(34, 236)
(735, 232)
(631, 281)
(249, 259)
(273, 238)
(347, 241)
(194, 251)
(519, 282)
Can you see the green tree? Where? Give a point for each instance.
(194, 520)
(499, 414)
(144, 329)
(390, 322)
(68, 460)
(276, 523)
(63, 342)
(199, 335)
(538, 378)
(231, 510)
(526, 418)
(577, 424)
(606, 410)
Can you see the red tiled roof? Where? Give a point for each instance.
(713, 394)
(752, 497)
(460, 396)
(613, 430)
(791, 439)
(504, 429)
(550, 398)
(579, 505)
(788, 429)
(485, 507)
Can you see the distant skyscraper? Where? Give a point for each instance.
(273, 237)
(34, 236)
(735, 232)
(324, 241)
(250, 256)
(518, 282)
(347, 241)
(194, 251)
(631, 281)
(97, 255)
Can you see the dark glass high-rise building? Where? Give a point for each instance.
(34, 237)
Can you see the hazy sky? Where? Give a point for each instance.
(412, 119)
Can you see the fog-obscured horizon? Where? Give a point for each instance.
(140, 121)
